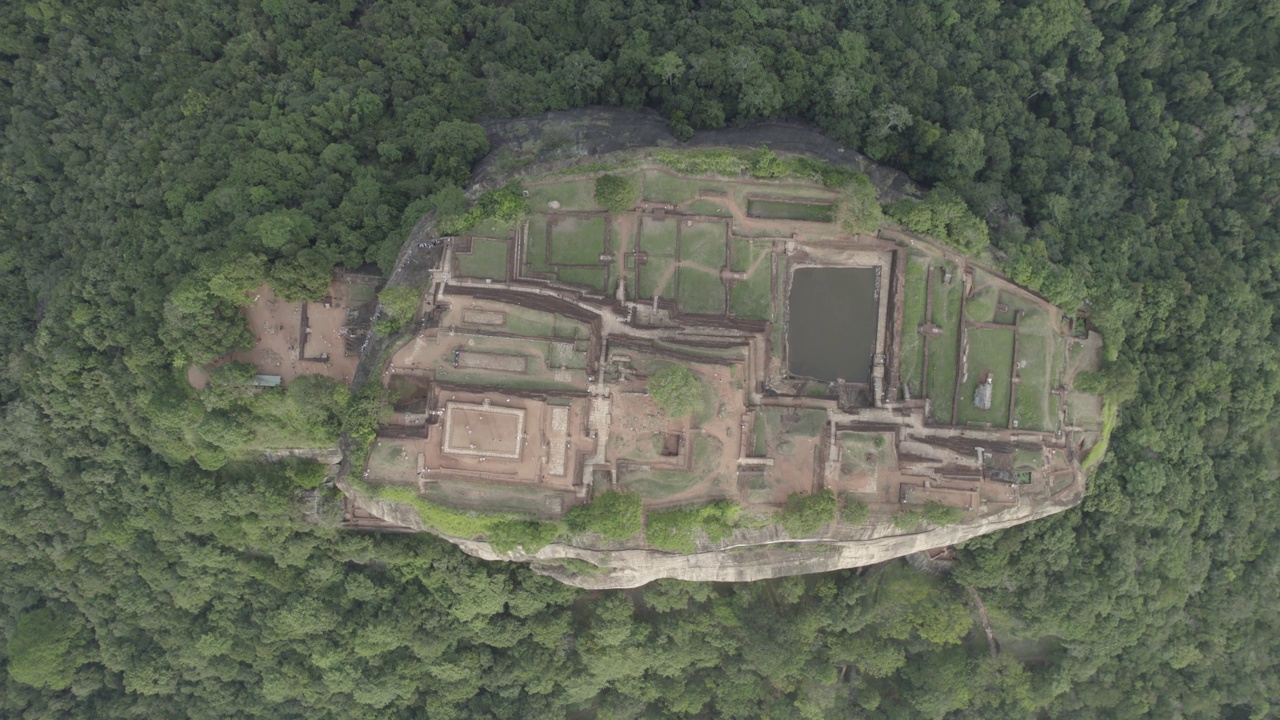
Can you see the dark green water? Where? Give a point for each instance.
(831, 331)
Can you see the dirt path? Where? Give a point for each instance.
(992, 643)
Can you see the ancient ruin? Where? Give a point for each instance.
(883, 367)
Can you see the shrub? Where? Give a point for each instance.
(676, 390)
(804, 513)
(399, 305)
(907, 520)
(942, 215)
(306, 474)
(676, 530)
(616, 194)
(529, 535)
(854, 512)
(614, 515)
(506, 206)
(938, 514)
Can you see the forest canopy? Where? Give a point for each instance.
(160, 158)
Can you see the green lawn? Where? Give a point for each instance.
(780, 210)
(707, 207)
(982, 304)
(1032, 400)
(535, 244)
(862, 454)
(753, 298)
(658, 237)
(701, 292)
(663, 188)
(943, 350)
(651, 278)
(487, 259)
(741, 256)
(571, 194)
(491, 229)
(989, 350)
(577, 241)
(660, 484)
(913, 302)
(586, 276)
(704, 243)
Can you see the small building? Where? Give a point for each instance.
(982, 396)
(266, 380)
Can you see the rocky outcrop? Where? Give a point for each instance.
(755, 554)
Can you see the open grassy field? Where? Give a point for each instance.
(663, 188)
(1031, 404)
(577, 240)
(658, 237)
(571, 194)
(487, 259)
(535, 245)
(740, 254)
(943, 349)
(700, 292)
(752, 298)
(491, 229)
(862, 453)
(781, 210)
(492, 497)
(536, 323)
(704, 243)
(989, 350)
(913, 304)
(657, 277)
(981, 306)
(592, 277)
(661, 484)
(707, 207)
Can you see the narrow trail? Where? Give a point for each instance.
(986, 622)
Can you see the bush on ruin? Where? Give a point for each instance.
(615, 515)
(804, 513)
(676, 390)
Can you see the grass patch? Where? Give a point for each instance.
(661, 484)
(535, 245)
(491, 229)
(913, 306)
(437, 517)
(740, 254)
(981, 307)
(592, 277)
(862, 452)
(616, 516)
(577, 241)
(487, 259)
(657, 278)
(989, 350)
(782, 210)
(707, 207)
(701, 292)
(753, 298)
(571, 194)
(1110, 413)
(658, 237)
(704, 243)
(663, 188)
(1032, 399)
(943, 349)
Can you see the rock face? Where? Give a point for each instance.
(749, 555)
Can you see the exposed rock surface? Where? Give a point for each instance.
(749, 555)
